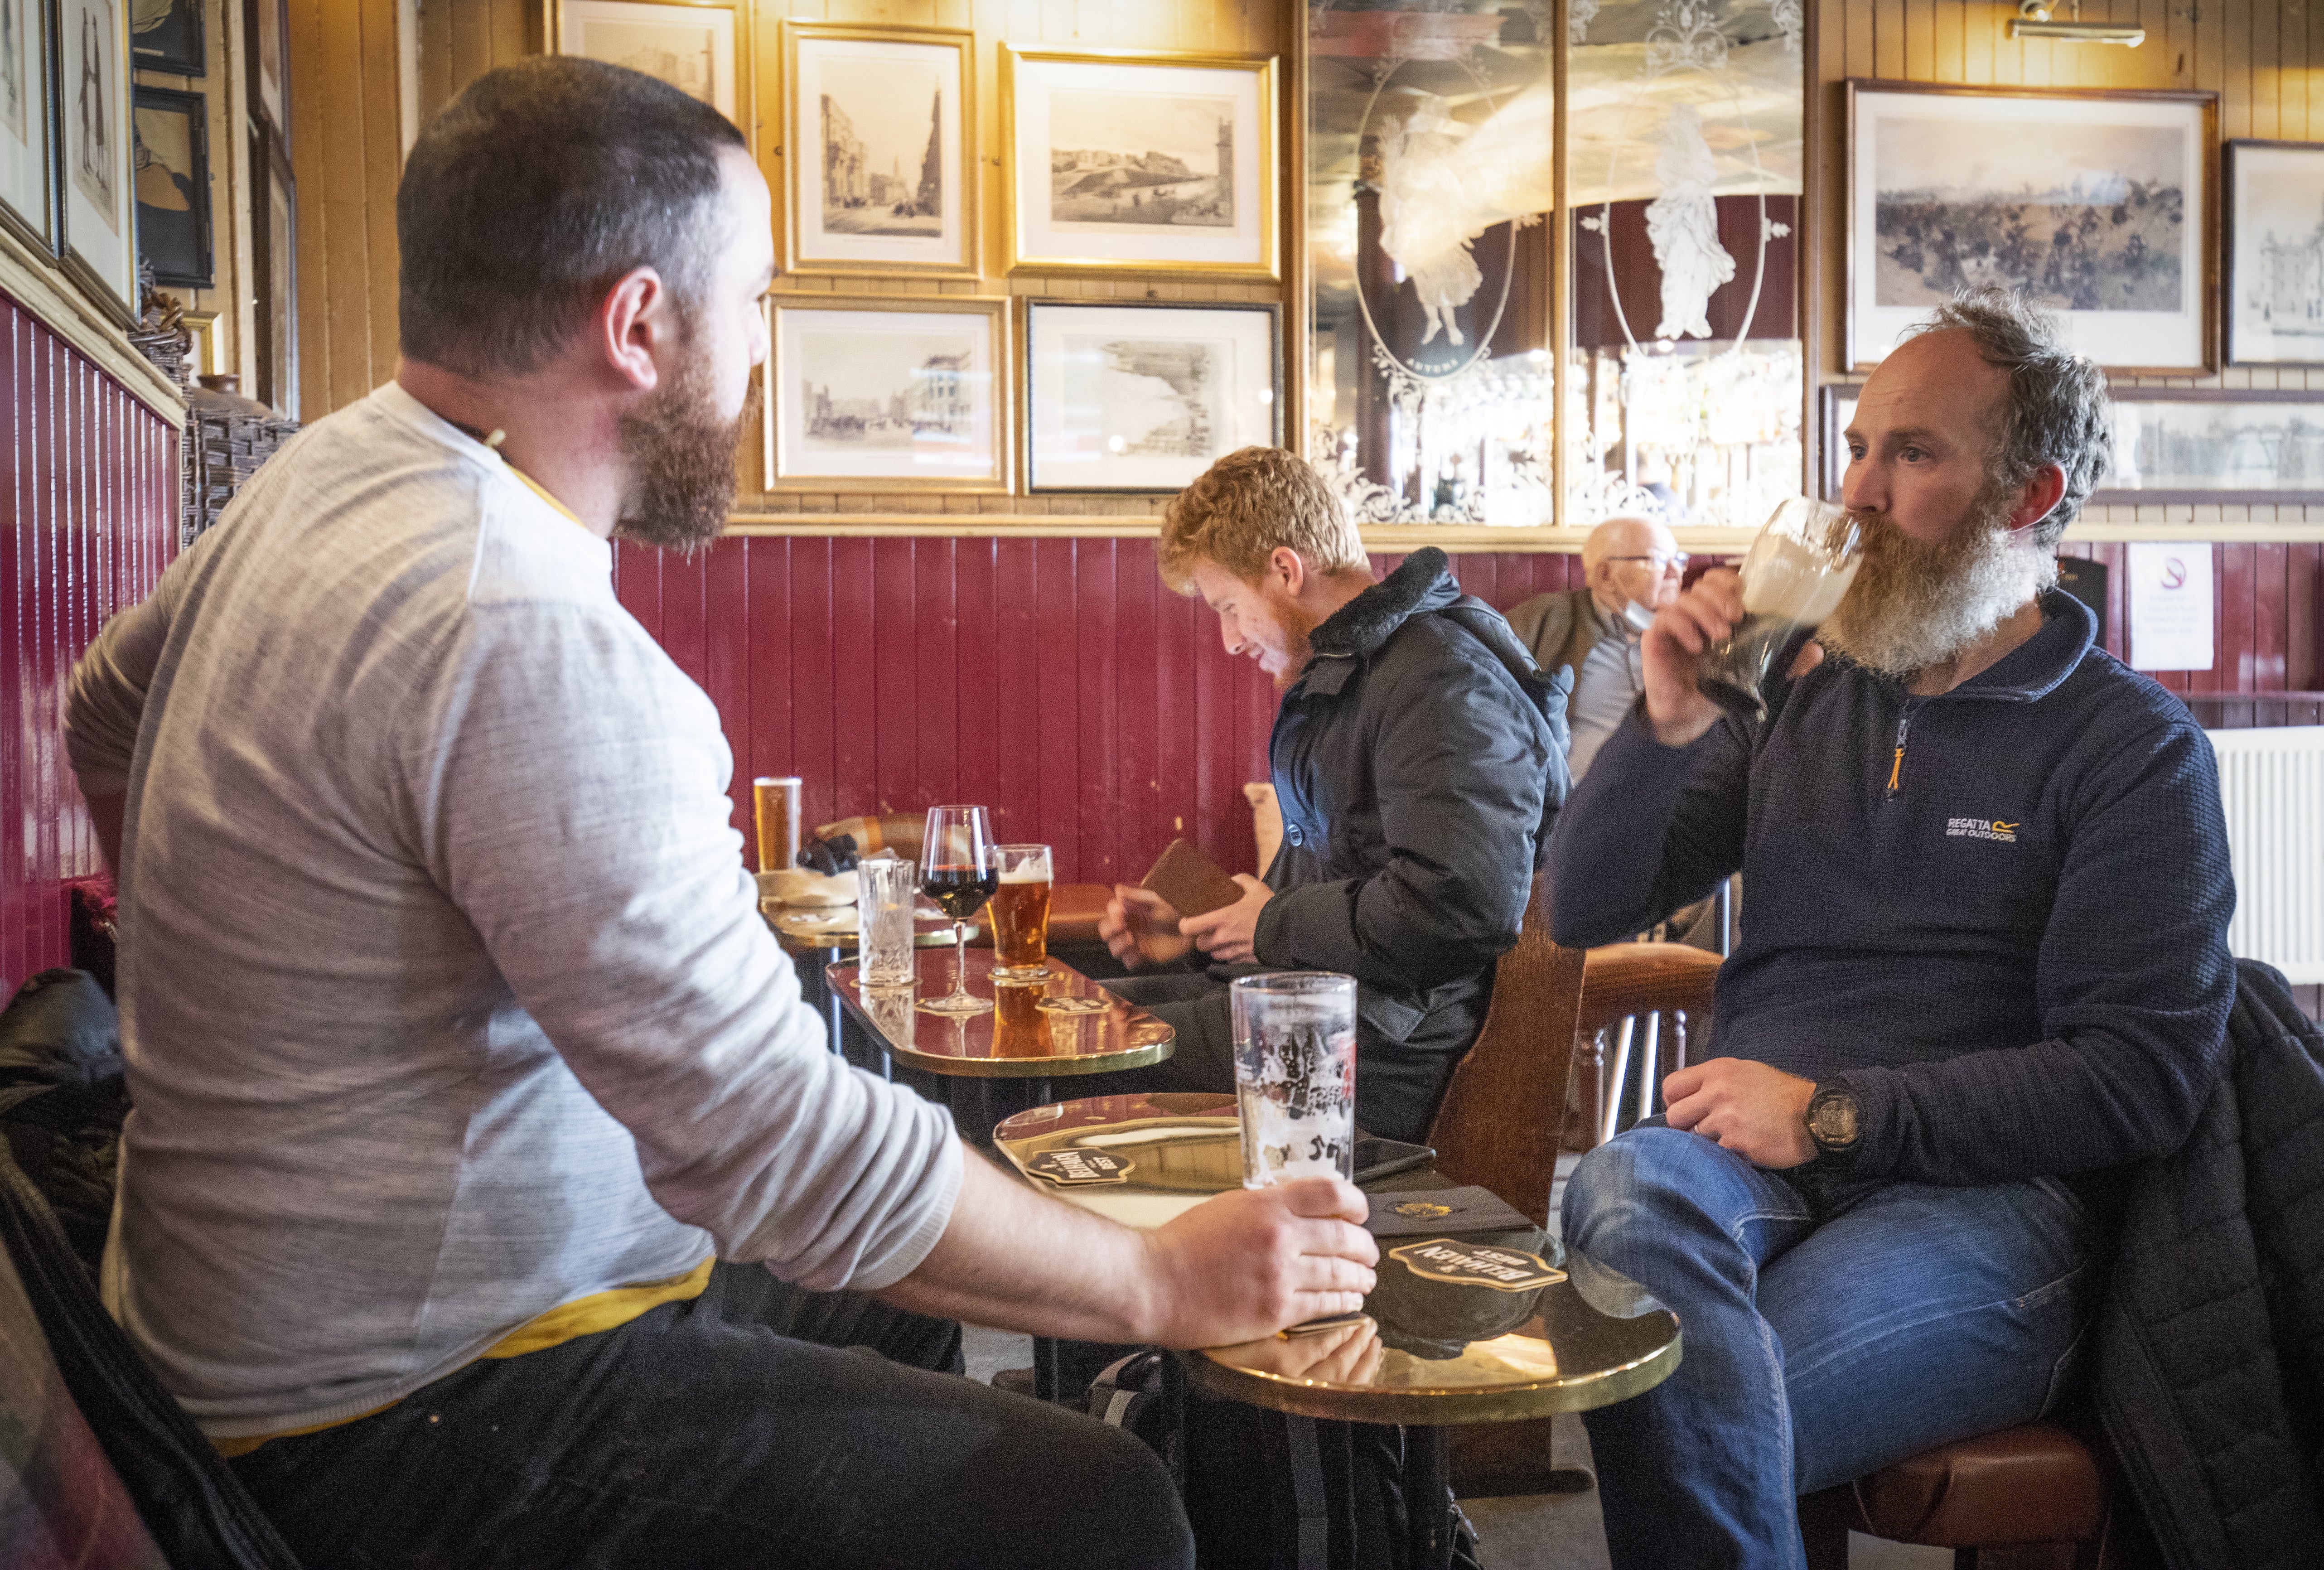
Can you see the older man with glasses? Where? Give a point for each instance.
(1631, 568)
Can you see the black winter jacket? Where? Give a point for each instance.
(2210, 1377)
(1419, 760)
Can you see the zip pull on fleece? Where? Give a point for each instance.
(1896, 765)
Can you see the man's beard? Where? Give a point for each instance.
(681, 460)
(1298, 625)
(1915, 606)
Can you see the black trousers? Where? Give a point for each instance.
(729, 1431)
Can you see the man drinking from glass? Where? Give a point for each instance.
(1983, 966)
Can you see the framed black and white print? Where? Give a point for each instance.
(100, 232)
(881, 167)
(1146, 397)
(266, 33)
(166, 35)
(2097, 204)
(1142, 162)
(2215, 445)
(27, 182)
(171, 157)
(896, 393)
(688, 43)
(2273, 243)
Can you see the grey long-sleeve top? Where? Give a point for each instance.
(444, 990)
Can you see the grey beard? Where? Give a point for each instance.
(1914, 607)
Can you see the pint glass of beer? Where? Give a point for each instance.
(1295, 1063)
(1020, 914)
(1796, 574)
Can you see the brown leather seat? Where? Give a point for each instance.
(2034, 1484)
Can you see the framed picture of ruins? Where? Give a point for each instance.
(896, 392)
(879, 124)
(688, 43)
(2095, 203)
(1144, 398)
(2272, 244)
(1140, 163)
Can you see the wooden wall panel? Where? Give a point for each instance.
(87, 520)
(1055, 681)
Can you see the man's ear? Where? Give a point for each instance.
(632, 323)
(2039, 498)
(1287, 568)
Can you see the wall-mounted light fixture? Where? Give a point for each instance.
(2032, 20)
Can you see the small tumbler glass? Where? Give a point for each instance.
(1294, 1057)
(885, 894)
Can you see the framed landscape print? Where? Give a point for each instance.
(1146, 397)
(2215, 445)
(2095, 203)
(99, 239)
(882, 164)
(171, 160)
(2273, 245)
(1144, 162)
(166, 35)
(27, 192)
(903, 392)
(690, 46)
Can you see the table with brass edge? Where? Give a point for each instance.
(819, 936)
(1432, 1351)
(1025, 1036)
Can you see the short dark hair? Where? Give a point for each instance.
(529, 195)
(2056, 411)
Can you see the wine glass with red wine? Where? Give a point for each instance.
(959, 871)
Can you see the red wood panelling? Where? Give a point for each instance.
(88, 484)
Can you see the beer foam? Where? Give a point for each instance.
(1786, 579)
(1024, 876)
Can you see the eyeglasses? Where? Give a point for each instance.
(1664, 560)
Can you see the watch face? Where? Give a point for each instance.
(1833, 1120)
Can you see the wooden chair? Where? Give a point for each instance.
(1636, 993)
(2032, 1495)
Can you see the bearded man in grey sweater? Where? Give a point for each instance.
(490, 1194)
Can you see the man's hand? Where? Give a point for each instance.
(1227, 933)
(1251, 1260)
(1758, 1112)
(1673, 647)
(1141, 928)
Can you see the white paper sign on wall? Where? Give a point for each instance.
(2171, 620)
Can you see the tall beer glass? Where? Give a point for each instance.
(1295, 1063)
(1796, 574)
(1020, 914)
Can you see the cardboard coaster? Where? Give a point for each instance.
(1072, 1005)
(1461, 1264)
(1079, 1168)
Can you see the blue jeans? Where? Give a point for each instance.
(1831, 1326)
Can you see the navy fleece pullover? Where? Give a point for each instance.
(1999, 915)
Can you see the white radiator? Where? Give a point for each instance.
(2272, 784)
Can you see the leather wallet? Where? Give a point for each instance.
(1193, 883)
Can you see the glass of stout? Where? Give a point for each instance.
(959, 871)
(1796, 574)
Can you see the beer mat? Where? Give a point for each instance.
(1467, 1264)
(1073, 1168)
(1193, 883)
(1439, 1211)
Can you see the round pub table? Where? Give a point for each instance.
(1474, 1328)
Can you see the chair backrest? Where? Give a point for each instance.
(1640, 994)
(1498, 1125)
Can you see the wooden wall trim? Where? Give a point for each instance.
(33, 282)
(1444, 536)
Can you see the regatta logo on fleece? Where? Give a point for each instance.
(1980, 829)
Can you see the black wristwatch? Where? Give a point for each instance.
(1835, 1122)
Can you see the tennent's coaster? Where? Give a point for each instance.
(1461, 1264)
(1071, 1005)
(1079, 1168)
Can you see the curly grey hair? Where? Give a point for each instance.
(2056, 412)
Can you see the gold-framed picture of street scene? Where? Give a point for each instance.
(691, 44)
(880, 151)
(27, 189)
(99, 238)
(2096, 203)
(896, 392)
(1136, 161)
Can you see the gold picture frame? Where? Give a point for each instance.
(1139, 127)
(842, 215)
(907, 401)
(729, 81)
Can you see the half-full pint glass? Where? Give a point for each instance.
(1294, 1055)
(885, 894)
(1796, 574)
(1020, 914)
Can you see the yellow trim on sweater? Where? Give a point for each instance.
(599, 1311)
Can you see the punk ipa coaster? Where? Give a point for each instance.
(1461, 1264)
